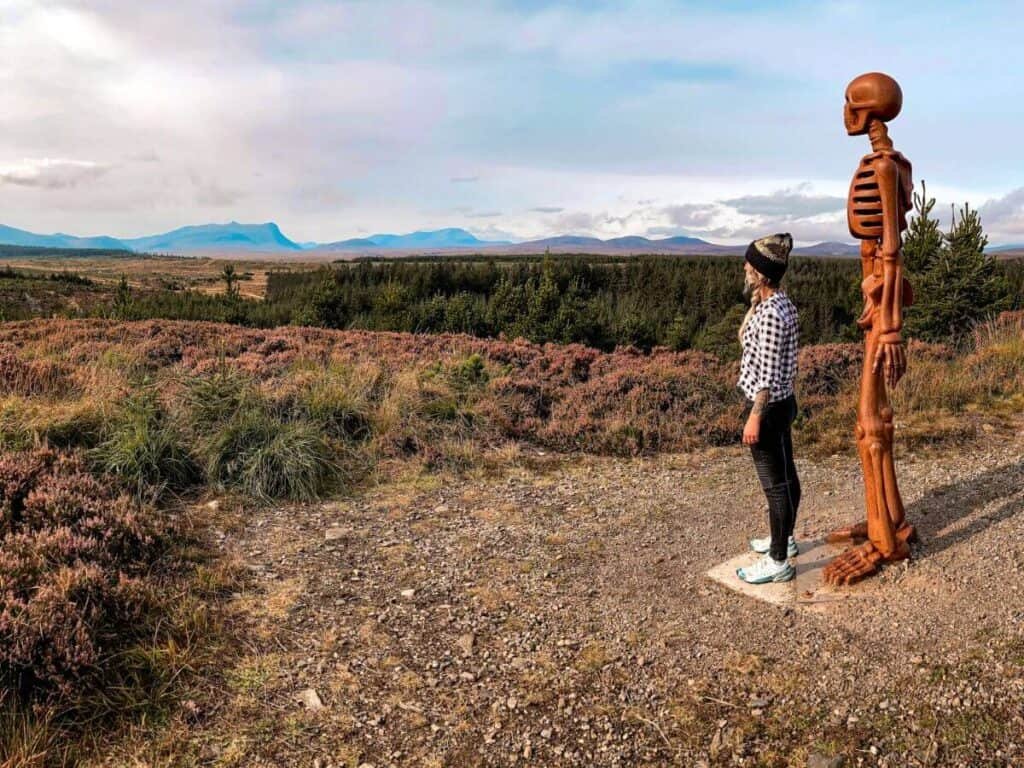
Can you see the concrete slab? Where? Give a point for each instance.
(806, 592)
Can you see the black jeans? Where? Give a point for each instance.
(773, 459)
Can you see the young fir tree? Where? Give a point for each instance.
(923, 239)
(122, 299)
(230, 278)
(961, 286)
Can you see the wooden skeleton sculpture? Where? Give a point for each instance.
(880, 197)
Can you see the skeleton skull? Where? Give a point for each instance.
(873, 95)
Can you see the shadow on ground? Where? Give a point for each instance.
(939, 515)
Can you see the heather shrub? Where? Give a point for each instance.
(30, 378)
(374, 396)
(825, 369)
(144, 447)
(74, 557)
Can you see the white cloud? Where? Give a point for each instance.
(692, 214)
(796, 202)
(335, 117)
(51, 173)
(1003, 218)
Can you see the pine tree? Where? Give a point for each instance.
(122, 299)
(960, 287)
(681, 331)
(544, 303)
(230, 278)
(720, 337)
(923, 238)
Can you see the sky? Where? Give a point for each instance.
(514, 120)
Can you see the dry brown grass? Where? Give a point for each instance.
(152, 272)
(65, 381)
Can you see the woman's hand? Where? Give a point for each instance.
(752, 430)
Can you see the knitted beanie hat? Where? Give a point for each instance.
(770, 255)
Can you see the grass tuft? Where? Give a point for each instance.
(268, 458)
(144, 448)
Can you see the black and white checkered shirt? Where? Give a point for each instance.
(770, 348)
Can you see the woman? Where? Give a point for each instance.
(767, 370)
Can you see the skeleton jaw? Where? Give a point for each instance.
(855, 120)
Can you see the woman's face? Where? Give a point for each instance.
(751, 279)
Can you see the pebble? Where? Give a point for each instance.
(310, 699)
(815, 760)
(465, 643)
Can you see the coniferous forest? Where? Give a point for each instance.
(678, 302)
(672, 301)
(645, 302)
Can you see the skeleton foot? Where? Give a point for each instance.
(860, 562)
(855, 532)
(906, 533)
(858, 532)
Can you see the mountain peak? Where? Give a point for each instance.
(230, 236)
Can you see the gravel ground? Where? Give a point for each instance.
(557, 613)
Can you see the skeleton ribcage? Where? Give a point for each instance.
(865, 208)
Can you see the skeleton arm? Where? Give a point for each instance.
(890, 311)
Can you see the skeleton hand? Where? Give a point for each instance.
(893, 356)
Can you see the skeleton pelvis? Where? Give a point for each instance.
(872, 287)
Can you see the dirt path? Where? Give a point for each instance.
(559, 615)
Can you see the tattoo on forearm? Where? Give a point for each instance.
(760, 403)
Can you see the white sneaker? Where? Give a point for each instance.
(761, 546)
(765, 570)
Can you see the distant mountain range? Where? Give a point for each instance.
(12, 236)
(231, 236)
(452, 237)
(268, 239)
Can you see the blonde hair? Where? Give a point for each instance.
(755, 298)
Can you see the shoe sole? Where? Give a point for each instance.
(790, 552)
(787, 575)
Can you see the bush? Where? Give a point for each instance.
(144, 449)
(73, 557)
(268, 458)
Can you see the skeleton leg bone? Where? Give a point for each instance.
(885, 535)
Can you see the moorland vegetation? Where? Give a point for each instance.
(108, 424)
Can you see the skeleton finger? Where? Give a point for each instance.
(879, 354)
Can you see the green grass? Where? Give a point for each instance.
(145, 449)
(267, 458)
